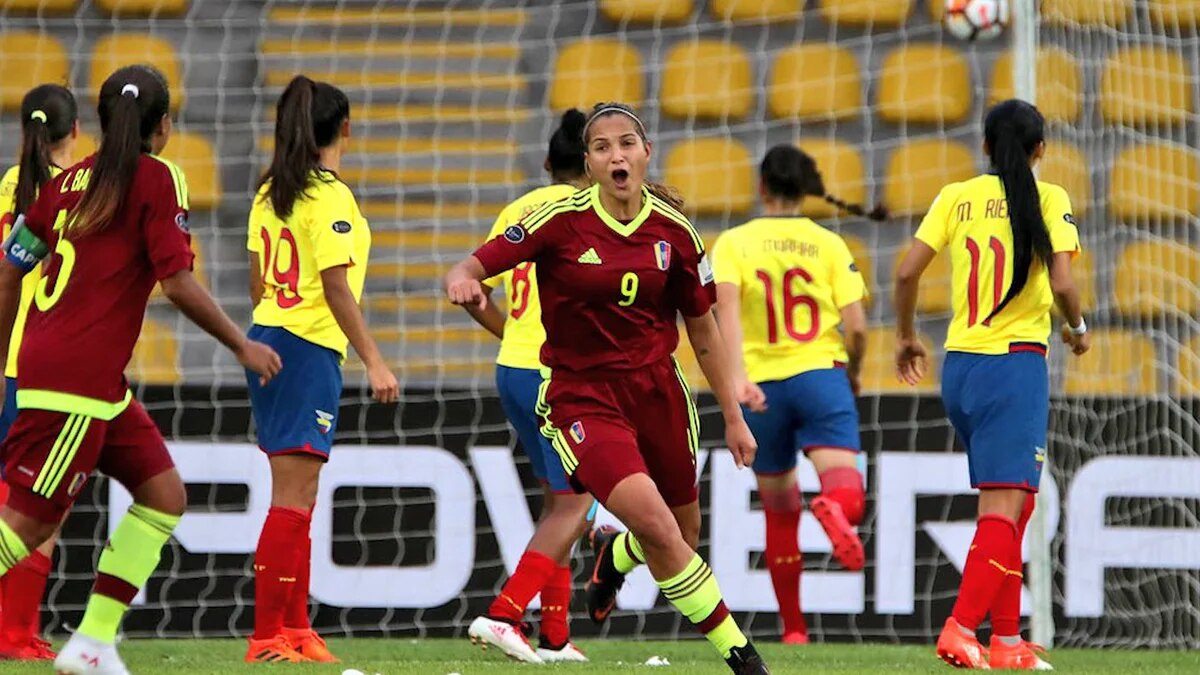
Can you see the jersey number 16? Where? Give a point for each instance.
(792, 300)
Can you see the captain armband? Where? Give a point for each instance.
(23, 248)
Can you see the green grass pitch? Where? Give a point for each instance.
(692, 657)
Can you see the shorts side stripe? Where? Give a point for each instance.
(693, 414)
(56, 451)
(69, 451)
(557, 440)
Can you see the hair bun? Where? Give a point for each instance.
(572, 122)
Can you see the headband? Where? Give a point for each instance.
(38, 115)
(613, 109)
(130, 89)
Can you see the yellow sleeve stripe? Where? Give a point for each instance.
(679, 219)
(545, 214)
(177, 177)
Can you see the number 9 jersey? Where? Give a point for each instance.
(325, 230)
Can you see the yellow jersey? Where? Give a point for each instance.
(971, 219)
(8, 195)
(326, 229)
(524, 334)
(793, 277)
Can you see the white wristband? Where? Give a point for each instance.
(1080, 329)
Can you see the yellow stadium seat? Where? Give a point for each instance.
(1059, 96)
(1120, 363)
(842, 171)
(707, 78)
(1157, 277)
(879, 365)
(815, 81)
(37, 6)
(1188, 383)
(1074, 13)
(155, 356)
(27, 59)
(763, 11)
(600, 69)
(1175, 15)
(866, 13)
(1146, 85)
(1065, 164)
(154, 8)
(1154, 181)
(196, 156)
(935, 294)
(925, 83)
(1083, 268)
(714, 175)
(117, 50)
(647, 11)
(917, 171)
(863, 259)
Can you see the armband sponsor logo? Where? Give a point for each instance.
(853, 267)
(1069, 218)
(705, 270)
(341, 227)
(181, 221)
(515, 234)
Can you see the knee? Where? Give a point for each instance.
(297, 493)
(170, 498)
(691, 534)
(655, 531)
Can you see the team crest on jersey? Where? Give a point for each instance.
(662, 255)
(514, 234)
(577, 433)
(324, 421)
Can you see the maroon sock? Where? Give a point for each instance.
(784, 561)
(21, 597)
(844, 485)
(556, 608)
(1006, 608)
(276, 568)
(295, 615)
(531, 575)
(986, 568)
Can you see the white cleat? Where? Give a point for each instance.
(569, 653)
(83, 655)
(504, 636)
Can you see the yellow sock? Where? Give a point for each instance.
(695, 593)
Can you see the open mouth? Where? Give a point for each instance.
(620, 178)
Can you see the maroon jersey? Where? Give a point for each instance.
(610, 291)
(87, 312)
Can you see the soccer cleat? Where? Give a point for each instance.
(561, 654)
(959, 649)
(1021, 656)
(34, 649)
(746, 661)
(83, 655)
(274, 650)
(602, 588)
(847, 547)
(509, 638)
(795, 638)
(310, 645)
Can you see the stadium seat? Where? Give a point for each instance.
(709, 79)
(1074, 13)
(1188, 383)
(1146, 86)
(1083, 269)
(714, 175)
(646, 11)
(1175, 15)
(1065, 164)
(149, 8)
(862, 258)
(116, 50)
(760, 11)
(935, 293)
(85, 145)
(841, 168)
(1059, 95)
(866, 13)
(916, 172)
(27, 59)
(879, 365)
(1155, 181)
(924, 83)
(1156, 277)
(155, 356)
(1121, 363)
(37, 6)
(600, 69)
(815, 80)
(198, 159)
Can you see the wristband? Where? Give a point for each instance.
(1080, 329)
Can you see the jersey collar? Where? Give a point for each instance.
(623, 229)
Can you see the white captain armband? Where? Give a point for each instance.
(23, 248)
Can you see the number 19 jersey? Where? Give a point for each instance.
(793, 278)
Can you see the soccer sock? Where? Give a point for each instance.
(986, 568)
(627, 553)
(556, 607)
(531, 575)
(21, 592)
(1006, 609)
(276, 567)
(296, 614)
(844, 485)
(695, 593)
(129, 558)
(784, 562)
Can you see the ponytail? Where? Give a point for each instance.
(666, 193)
(877, 213)
(790, 174)
(308, 117)
(48, 115)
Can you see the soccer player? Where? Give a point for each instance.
(308, 246)
(545, 566)
(616, 263)
(49, 127)
(109, 228)
(1011, 240)
(785, 286)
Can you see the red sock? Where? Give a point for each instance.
(986, 568)
(556, 607)
(276, 568)
(784, 562)
(21, 596)
(295, 615)
(844, 485)
(533, 571)
(1006, 608)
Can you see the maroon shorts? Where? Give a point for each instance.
(48, 456)
(608, 428)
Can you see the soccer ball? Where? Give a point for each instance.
(976, 19)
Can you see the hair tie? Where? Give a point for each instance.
(130, 89)
(38, 115)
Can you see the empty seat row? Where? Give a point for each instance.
(152, 8)
(194, 154)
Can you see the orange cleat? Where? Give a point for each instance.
(35, 649)
(847, 547)
(1021, 656)
(310, 645)
(795, 638)
(959, 649)
(274, 650)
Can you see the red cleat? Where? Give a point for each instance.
(36, 649)
(795, 638)
(847, 547)
(1022, 656)
(959, 649)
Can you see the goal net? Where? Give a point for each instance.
(425, 507)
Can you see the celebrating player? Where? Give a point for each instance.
(308, 246)
(784, 285)
(995, 384)
(545, 566)
(110, 227)
(616, 263)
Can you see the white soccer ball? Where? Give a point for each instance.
(976, 19)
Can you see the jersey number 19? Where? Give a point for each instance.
(286, 280)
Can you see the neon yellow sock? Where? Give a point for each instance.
(695, 593)
(12, 548)
(622, 545)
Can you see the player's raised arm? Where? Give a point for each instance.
(519, 243)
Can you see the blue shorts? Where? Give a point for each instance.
(518, 396)
(1000, 407)
(811, 410)
(297, 412)
(9, 413)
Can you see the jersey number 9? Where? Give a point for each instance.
(287, 280)
(792, 300)
(629, 289)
